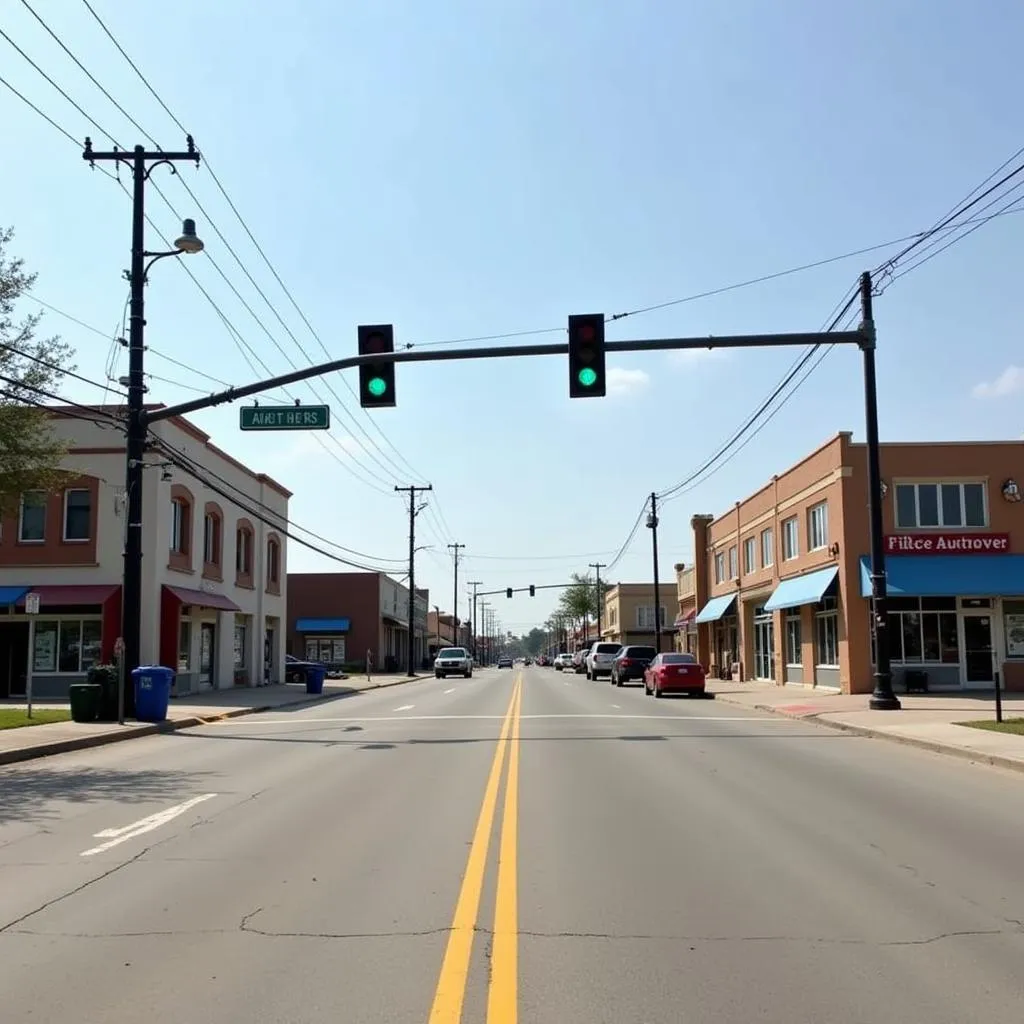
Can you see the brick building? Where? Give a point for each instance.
(782, 579)
(336, 617)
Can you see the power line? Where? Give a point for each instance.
(54, 366)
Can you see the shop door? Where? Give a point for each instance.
(207, 655)
(13, 658)
(977, 648)
(268, 655)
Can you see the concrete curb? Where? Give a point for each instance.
(172, 725)
(965, 754)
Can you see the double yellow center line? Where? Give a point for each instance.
(502, 996)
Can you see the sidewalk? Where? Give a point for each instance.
(926, 720)
(33, 741)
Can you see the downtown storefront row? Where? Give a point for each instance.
(783, 579)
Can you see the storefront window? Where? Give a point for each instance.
(1013, 621)
(826, 633)
(923, 630)
(240, 644)
(330, 650)
(66, 645)
(184, 645)
(794, 639)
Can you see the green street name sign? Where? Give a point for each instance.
(285, 417)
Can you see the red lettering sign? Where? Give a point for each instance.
(947, 543)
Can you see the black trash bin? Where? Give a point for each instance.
(106, 677)
(85, 701)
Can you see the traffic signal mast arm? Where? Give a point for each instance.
(500, 352)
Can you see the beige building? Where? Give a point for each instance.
(686, 612)
(628, 616)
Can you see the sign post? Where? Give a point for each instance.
(285, 417)
(31, 608)
(119, 654)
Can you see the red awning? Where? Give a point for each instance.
(73, 593)
(203, 598)
(685, 620)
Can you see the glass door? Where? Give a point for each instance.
(764, 645)
(207, 655)
(977, 649)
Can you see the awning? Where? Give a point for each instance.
(72, 593)
(948, 575)
(716, 608)
(685, 620)
(807, 589)
(322, 625)
(203, 598)
(12, 595)
(395, 619)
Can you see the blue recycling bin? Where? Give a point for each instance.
(315, 675)
(152, 686)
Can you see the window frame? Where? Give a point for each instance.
(817, 517)
(734, 562)
(41, 625)
(787, 554)
(793, 617)
(719, 566)
(22, 539)
(179, 539)
(650, 623)
(767, 547)
(88, 515)
(750, 555)
(916, 485)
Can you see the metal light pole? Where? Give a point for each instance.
(883, 698)
(455, 593)
(413, 513)
(474, 632)
(597, 567)
(142, 164)
(652, 525)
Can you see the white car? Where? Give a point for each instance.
(563, 661)
(453, 660)
(599, 659)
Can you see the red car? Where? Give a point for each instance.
(674, 673)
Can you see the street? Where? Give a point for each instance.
(387, 857)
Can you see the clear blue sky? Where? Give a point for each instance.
(466, 168)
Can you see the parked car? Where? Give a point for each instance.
(630, 662)
(674, 673)
(579, 659)
(562, 661)
(600, 658)
(453, 661)
(295, 669)
(505, 661)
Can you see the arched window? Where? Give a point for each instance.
(180, 540)
(244, 534)
(213, 541)
(273, 585)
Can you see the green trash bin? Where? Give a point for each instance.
(106, 677)
(85, 701)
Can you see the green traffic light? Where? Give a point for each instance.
(377, 386)
(587, 377)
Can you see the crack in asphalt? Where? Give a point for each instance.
(85, 885)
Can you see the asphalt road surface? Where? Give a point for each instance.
(521, 846)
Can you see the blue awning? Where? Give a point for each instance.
(807, 589)
(12, 595)
(948, 575)
(716, 608)
(322, 625)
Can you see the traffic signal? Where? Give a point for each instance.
(508, 591)
(532, 590)
(376, 379)
(586, 355)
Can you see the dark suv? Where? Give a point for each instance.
(630, 662)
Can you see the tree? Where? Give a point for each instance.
(30, 369)
(579, 600)
(535, 641)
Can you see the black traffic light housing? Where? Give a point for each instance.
(532, 590)
(586, 355)
(508, 591)
(376, 379)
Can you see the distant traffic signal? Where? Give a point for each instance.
(508, 591)
(376, 379)
(586, 355)
(532, 590)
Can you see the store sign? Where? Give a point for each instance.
(947, 543)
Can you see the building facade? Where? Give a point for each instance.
(341, 617)
(686, 611)
(783, 578)
(628, 616)
(214, 586)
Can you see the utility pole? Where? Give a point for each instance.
(142, 164)
(883, 698)
(472, 622)
(652, 525)
(597, 567)
(413, 513)
(455, 611)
